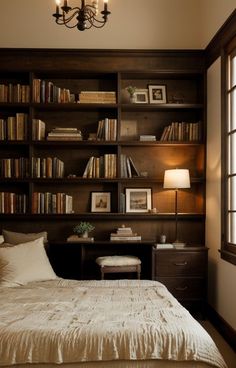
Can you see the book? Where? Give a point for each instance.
(124, 228)
(129, 130)
(164, 246)
(147, 138)
(64, 138)
(127, 233)
(126, 238)
(77, 239)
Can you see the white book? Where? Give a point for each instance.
(164, 246)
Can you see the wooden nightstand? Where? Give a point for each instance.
(184, 273)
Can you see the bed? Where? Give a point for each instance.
(93, 323)
(46, 321)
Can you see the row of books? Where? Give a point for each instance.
(97, 97)
(65, 134)
(52, 203)
(124, 234)
(14, 167)
(101, 167)
(14, 127)
(13, 203)
(182, 131)
(127, 167)
(107, 129)
(14, 93)
(45, 91)
(49, 167)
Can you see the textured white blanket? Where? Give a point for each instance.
(66, 321)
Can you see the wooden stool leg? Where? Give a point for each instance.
(138, 272)
(102, 274)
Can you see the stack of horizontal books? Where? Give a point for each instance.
(125, 234)
(147, 138)
(97, 97)
(65, 134)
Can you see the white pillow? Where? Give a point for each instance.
(1, 239)
(24, 263)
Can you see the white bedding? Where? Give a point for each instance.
(66, 321)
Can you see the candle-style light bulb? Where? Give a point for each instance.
(58, 3)
(105, 5)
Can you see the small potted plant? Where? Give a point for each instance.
(131, 90)
(83, 229)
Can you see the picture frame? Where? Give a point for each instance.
(157, 94)
(141, 96)
(100, 201)
(138, 200)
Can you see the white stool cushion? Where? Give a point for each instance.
(118, 261)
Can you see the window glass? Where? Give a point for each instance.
(233, 71)
(232, 228)
(232, 110)
(232, 153)
(232, 193)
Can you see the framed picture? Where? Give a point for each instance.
(157, 94)
(138, 199)
(141, 96)
(100, 202)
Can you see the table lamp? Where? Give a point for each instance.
(176, 179)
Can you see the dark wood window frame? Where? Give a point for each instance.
(228, 246)
(222, 45)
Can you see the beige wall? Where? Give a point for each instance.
(133, 24)
(214, 13)
(222, 275)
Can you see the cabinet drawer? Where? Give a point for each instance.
(184, 288)
(180, 263)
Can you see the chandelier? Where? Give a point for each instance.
(83, 17)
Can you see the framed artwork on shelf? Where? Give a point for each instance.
(157, 94)
(141, 96)
(100, 202)
(138, 199)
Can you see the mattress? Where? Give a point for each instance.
(109, 323)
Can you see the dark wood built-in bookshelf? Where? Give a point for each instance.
(50, 73)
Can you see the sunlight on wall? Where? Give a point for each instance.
(222, 287)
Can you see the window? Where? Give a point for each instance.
(229, 155)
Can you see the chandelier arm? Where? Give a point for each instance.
(92, 19)
(69, 18)
(92, 24)
(62, 23)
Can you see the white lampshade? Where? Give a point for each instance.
(176, 179)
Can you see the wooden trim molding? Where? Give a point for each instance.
(78, 60)
(228, 333)
(221, 38)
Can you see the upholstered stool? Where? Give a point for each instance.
(114, 264)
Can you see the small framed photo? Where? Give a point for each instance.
(157, 94)
(138, 199)
(100, 201)
(141, 96)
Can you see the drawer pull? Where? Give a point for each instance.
(179, 288)
(181, 264)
